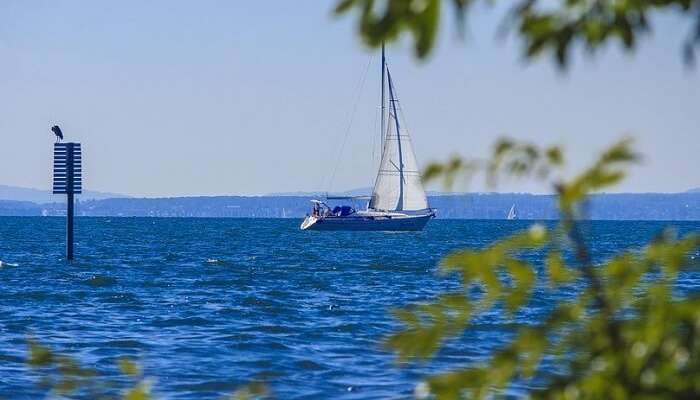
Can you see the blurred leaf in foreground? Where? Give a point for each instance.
(63, 376)
(545, 27)
(623, 334)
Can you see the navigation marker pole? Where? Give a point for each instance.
(67, 179)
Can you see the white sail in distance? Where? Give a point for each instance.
(511, 213)
(398, 186)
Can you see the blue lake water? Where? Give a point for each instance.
(304, 311)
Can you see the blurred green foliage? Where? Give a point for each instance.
(63, 376)
(624, 335)
(545, 26)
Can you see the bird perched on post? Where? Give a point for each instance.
(57, 131)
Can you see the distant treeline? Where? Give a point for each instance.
(643, 206)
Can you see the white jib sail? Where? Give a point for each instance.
(398, 186)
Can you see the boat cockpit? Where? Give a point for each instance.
(321, 209)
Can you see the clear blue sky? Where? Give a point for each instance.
(251, 97)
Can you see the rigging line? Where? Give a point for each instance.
(404, 122)
(352, 118)
(400, 112)
(374, 136)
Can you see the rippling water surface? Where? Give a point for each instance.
(207, 304)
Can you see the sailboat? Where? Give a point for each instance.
(398, 201)
(512, 213)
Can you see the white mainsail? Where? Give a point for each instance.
(398, 185)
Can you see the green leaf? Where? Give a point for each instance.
(128, 367)
(432, 171)
(524, 276)
(39, 355)
(557, 270)
(253, 390)
(531, 344)
(344, 6)
(142, 391)
(554, 155)
(427, 325)
(426, 27)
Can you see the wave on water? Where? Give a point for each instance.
(6, 264)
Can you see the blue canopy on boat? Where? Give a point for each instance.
(343, 211)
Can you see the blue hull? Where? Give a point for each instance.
(362, 223)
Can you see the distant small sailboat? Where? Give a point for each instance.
(398, 201)
(512, 214)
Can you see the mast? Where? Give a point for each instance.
(382, 131)
(393, 100)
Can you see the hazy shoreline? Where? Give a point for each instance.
(629, 206)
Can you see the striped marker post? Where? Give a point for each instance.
(67, 179)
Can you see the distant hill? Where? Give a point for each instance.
(19, 208)
(366, 191)
(16, 193)
(639, 206)
(353, 192)
(696, 190)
